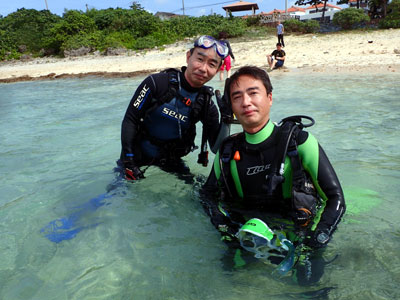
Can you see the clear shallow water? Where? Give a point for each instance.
(151, 239)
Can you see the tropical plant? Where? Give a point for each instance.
(28, 28)
(348, 18)
(311, 26)
(293, 25)
(378, 8)
(392, 19)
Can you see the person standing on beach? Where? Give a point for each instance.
(279, 32)
(277, 57)
(227, 64)
(276, 173)
(159, 126)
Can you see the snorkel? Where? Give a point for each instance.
(255, 236)
(287, 264)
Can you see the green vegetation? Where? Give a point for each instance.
(294, 25)
(349, 18)
(41, 33)
(392, 19)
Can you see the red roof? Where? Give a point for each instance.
(282, 11)
(275, 11)
(295, 8)
(321, 5)
(241, 5)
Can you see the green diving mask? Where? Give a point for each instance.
(255, 236)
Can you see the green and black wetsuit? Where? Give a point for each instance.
(239, 186)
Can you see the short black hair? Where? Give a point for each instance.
(222, 35)
(279, 44)
(253, 71)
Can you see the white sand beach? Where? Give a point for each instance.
(359, 51)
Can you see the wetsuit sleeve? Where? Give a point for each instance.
(216, 131)
(140, 102)
(210, 195)
(329, 183)
(230, 50)
(324, 177)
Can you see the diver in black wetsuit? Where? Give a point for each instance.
(279, 174)
(159, 126)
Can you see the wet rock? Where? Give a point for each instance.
(22, 48)
(77, 52)
(47, 52)
(26, 57)
(115, 51)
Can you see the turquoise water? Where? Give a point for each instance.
(151, 239)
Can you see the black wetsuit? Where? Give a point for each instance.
(239, 186)
(153, 132)
(226, 42)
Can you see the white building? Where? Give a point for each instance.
(314, 12)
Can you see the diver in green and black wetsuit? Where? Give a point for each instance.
(276, 173)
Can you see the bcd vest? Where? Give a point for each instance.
(176, 148)
(261, 168)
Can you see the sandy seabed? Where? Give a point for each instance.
(359, 52)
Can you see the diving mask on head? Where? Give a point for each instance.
(206, 42)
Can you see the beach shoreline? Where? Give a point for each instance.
(375, 52)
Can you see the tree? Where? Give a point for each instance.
(308, 2)
(350, 17)
(347, 2)
(378, 7)
(323, 11)
(28, 27)
(392, 19)
(136, 6)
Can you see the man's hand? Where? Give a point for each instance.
(132, 172)
(318, 238)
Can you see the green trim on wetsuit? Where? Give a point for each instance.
(255, 138)
(262, 135)
(217, 168)
(309, 156)
(236, 179)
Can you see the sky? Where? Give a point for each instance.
(192, 7)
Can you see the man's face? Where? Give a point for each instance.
(250, 103)
(279, 48)
(202, 65)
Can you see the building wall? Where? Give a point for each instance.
(310, 16)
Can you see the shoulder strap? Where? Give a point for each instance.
(173, 86)
(288, 131)
(228, 148)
